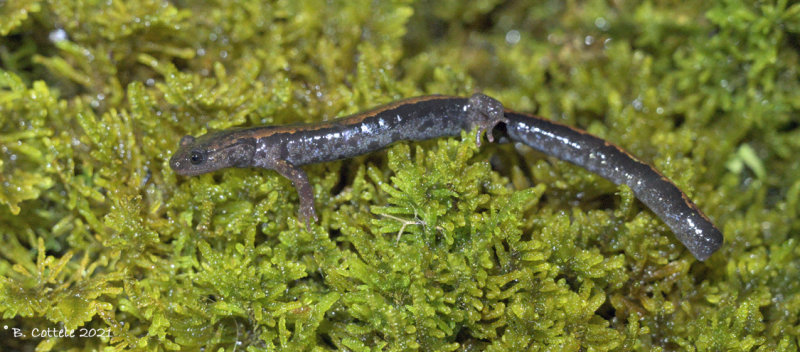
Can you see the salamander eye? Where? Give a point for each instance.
(196, 157)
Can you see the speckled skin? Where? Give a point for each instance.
(285, 148)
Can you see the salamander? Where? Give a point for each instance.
(286, 148)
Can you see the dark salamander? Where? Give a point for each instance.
(285, 148)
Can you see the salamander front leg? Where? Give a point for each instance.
(304, 190)
(485, 112)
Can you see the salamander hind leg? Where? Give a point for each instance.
(484, 113)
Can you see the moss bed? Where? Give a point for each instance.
(499, 248)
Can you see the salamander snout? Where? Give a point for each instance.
(211, 152)
(190, 159)
(186, 162)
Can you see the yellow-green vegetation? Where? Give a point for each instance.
(432, 246)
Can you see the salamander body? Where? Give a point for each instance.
(286, 148)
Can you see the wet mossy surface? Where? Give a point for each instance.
(431, 246)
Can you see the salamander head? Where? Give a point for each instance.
(212, 152)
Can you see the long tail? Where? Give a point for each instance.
(579, 147)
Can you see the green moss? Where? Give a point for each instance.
(431, 246)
